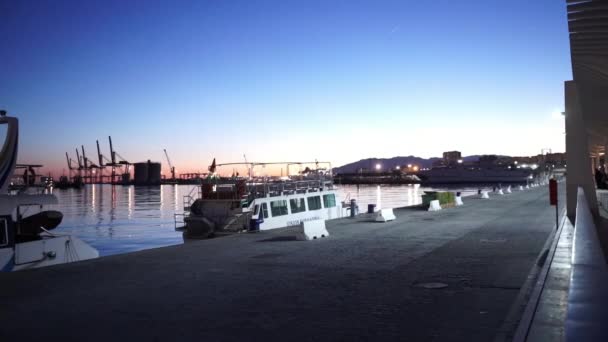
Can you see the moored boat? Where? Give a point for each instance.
(261, 203)
(26, 241)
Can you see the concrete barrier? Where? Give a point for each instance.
(509, 189)
(384, 215)
(311, 230)
(500, 192)
(434, 205)
(459, 201)
(484, 194)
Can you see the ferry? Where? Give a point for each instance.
(26, 240)
(448, 175)
(261, 203)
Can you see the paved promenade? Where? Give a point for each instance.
(364, 282)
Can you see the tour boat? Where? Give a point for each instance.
(261, 203)
(26, 241)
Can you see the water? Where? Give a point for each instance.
(120, 219)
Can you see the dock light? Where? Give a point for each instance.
(378, 166)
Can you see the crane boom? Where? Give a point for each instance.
(84, 158)
(79, 161)
(68, 160)
(112, 154)
(99, 156)
(170, 165)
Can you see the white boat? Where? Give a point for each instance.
(250, 203)
(26, 241)
(449, 175)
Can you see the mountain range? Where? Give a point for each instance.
(392, 163)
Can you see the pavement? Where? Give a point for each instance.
(366, 281)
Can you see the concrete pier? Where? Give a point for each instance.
(367, 281)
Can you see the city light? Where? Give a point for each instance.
(415, 168)
(459, 161)
(378, 166)
(515, 162)
(409, 166)
(397, 167)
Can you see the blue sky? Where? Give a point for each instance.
(279, 80)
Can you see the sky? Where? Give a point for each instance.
(283, 80)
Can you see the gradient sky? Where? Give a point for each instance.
(283, 80)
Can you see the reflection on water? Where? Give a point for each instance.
(119, 219)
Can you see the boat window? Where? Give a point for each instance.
(329, 201)
(256, 209)
(278, 208)
(297, 205)
(3, 232)
(265, 210)
(314, 203)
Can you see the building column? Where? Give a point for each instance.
(577, 154)
(605, 151)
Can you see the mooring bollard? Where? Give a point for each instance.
(353, 207)
(459, 200)
(484, 195)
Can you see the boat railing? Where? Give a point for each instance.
(193, 195)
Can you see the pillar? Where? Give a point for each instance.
(577, 154)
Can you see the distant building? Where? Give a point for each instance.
(452, 158)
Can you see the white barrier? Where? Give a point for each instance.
(459, 201)
(527, 186)
(311, 230)
(521, 188)
(384, 215)
(484, 194)
(509, 189)
(500, 192)
(434, 205)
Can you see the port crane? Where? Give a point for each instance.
(171, 167)
(121, 163)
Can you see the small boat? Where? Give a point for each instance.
(260, 203)
(26, 241)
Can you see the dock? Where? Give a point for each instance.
(458, 274)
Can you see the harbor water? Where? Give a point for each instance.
(120, 219)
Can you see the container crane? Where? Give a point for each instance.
(170, 165)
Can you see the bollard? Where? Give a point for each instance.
(500, 192)
(353, 207)
(434, 205)
(521, 188)
(509, 189)
(484, 195)
(459, 201)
